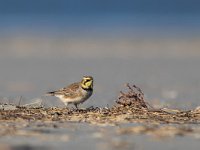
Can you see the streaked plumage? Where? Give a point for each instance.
(75, 93)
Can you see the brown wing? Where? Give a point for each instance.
(70, 90)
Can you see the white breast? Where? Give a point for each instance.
(81, 99)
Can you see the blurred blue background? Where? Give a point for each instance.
(48, 44)
(99, 6)
(92, 17)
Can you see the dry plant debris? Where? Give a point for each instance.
(130, 107)
(134, 97)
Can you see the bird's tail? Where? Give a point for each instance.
(50, 93)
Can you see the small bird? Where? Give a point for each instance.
(75, 93)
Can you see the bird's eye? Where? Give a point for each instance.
(87, 80)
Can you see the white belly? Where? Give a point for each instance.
(76, 100)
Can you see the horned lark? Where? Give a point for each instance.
(75, 93)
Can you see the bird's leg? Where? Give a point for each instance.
(76, 105)
(66, 104)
